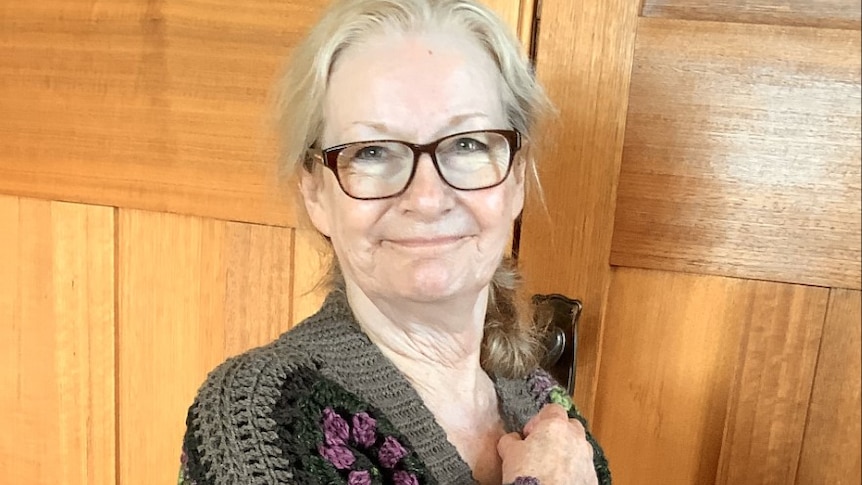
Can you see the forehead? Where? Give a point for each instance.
(414, 84)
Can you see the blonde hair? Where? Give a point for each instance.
(511, 343)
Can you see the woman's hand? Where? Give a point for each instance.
(554, 449)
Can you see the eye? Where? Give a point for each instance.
(370, 153)
(469, 145)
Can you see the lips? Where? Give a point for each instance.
(423, 242)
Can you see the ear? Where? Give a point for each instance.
(311, 186)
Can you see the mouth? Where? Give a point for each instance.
(434, 242)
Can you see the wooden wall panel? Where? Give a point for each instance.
(836, 14)
(56, 343)
(742, 153)
(156, 105)
(516, 13)
(767, 410)
(831, 451)
(565, 248)
(192, 292)
(673, 344)
(258, 272)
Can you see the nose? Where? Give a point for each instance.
(427, 195)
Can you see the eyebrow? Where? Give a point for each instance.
(391, 131)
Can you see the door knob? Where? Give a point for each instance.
(560, 313)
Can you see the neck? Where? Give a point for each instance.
(437, 344)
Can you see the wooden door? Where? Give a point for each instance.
(703, 200)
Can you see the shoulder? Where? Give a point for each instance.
(232, 427)
(231, 435)
(252, 381)
(260, 374)
(264, 419)
(277, 415)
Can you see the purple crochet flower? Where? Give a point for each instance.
(363, 431)
(404, 478)
(359, 477)
(340, 456)
(540, 385)
(526, 481)
(390, 452)
(335, 428)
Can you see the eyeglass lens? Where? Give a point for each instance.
(467, 161)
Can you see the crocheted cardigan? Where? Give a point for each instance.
(323, 405)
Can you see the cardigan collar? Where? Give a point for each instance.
(345, 354)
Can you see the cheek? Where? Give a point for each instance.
(496, 215)
(502, 206)
(354, 225)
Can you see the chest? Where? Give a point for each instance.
(476, 441)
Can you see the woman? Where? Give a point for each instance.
(403, 120)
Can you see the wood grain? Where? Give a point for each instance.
(157, 105)
(836, 14)
(584, 60)
(512, 12)
(56, 343)
(742, 153)
(831, 449)
(257, 274)
(192, 292)
(527, 23)
(767, 409)
(672, 346)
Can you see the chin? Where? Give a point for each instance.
(429, 286)
(426, 291)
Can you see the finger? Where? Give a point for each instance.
(505, 443)
(581, 438)
(531, 424)
(553, 411)
(578, 425)
(548, 412)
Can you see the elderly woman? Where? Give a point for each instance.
(405, 121)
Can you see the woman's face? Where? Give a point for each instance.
(432, 241)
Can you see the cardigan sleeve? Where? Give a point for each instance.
(185, 476)
(192, 471)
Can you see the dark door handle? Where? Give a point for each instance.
(561, 315)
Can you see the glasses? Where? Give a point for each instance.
(379, 169)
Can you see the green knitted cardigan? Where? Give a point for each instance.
(322, 404)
